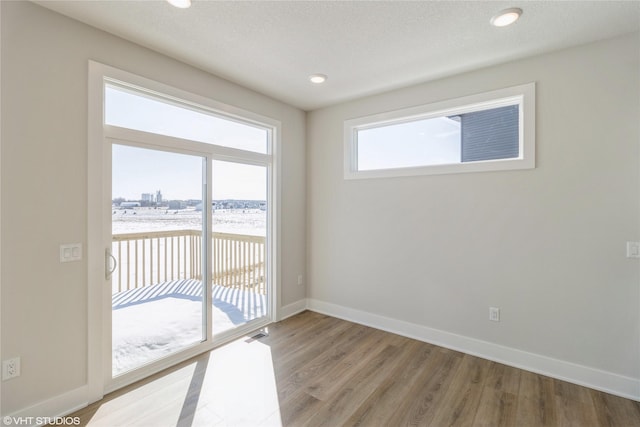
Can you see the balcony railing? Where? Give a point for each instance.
(148, 258)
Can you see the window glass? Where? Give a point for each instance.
(488, 131)
(480, 135)
(417, 143)
(143, 112)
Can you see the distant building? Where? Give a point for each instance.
(130, 205)
(177, 204)
(158, 197)
(147, 197)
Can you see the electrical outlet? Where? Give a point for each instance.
(494, 314)
(299, 279)
(11, 368)
(633, 249)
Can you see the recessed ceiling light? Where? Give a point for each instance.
(506, 17)
(182, 4)
(317, 78)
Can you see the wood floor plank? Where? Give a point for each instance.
(419, 406)
(614, 411)
(315, 370)
(574, 405)
(327, 385)
(298, 359)
(298, 343)
(459, 405)
(292, 378)
(299, 408)
(536, 401)
(366, 378)
(499, 399)
(392, 392)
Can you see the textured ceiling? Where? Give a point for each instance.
(364, 47)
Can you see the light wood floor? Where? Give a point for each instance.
(315, 370)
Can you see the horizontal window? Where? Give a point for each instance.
(490, 131)
(145, 112)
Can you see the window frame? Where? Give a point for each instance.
(99, 139)
(521, 95)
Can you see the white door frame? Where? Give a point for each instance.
(99, 379)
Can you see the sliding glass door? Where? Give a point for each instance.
(187, 260)
(158, 234)
(239, 252)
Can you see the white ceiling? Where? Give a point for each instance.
(365, 47)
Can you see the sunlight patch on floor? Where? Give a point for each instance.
(241, 385)
(232, 386)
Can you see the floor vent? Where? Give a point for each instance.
(256, 337)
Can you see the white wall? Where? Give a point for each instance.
(44, 187)
(547, 245)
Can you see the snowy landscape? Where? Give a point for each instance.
(154, 321)
(238, 221)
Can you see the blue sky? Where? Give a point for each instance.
(179, 176)
(417, 143)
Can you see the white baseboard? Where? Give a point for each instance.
(292, 309)
(46, 411)
(567, 371)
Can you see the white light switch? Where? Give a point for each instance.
(71, 252)
(633, 249)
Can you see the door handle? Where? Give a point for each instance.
(110, 264)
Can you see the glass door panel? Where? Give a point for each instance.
(239, 247)
(158, 225)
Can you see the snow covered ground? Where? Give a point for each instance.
(235, 221)
(154, 321)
